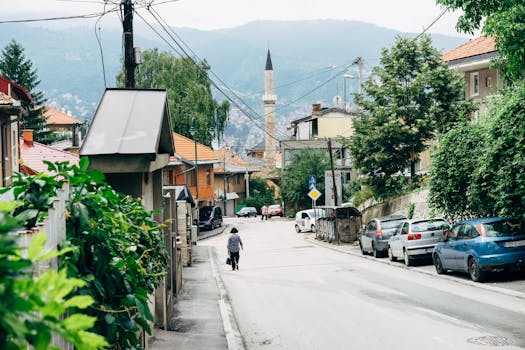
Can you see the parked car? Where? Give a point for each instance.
(415, 239)
(247, 212)
(275, 210)
(479, 246)
(374, 238)
(305, 220)
(210, 217)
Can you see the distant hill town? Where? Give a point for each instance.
(307, 57)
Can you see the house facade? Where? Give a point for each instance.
(472, 59)
(232, 175)
(314, 131)
(65, 127)
(181, 169)
(10, 112)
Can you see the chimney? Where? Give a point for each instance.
(28, 136)
(316, 107)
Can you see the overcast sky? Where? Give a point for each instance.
(403, 15)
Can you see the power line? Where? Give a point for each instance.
(431, 24)
(208, 78)
(89, 15)
(254, 120)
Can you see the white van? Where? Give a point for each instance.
(305, 219)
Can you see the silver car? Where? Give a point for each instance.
(416, 239)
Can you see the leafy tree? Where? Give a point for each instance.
(505, 21)
(15, 67)
(406, 101)
(189, 92)
(454, 163)
(33, 308)
(260, 194)
(498, 184)
(294, 179)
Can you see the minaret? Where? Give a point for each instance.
(269, 99)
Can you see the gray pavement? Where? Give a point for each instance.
(203, 318)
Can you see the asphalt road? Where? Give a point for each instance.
(292, 294)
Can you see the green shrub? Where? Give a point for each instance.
(33, 308)
(116, 248)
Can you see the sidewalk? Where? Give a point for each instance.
(203, 318)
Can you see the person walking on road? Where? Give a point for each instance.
(234, 247)
(264, 212)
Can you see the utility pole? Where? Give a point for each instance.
(333, 171)
(129, 61)
(224, 182)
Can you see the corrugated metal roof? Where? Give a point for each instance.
(130, 121)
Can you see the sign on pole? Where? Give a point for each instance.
(311, 182)
(314, 194)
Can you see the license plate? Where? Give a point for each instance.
(514, 244)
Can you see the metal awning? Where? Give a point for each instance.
(231, 195)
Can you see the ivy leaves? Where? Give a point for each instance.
(113, 246)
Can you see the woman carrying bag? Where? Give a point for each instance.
(234, 247)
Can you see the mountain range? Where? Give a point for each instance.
(308, 58)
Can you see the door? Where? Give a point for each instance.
(396, 242)
(465, 242)
(448, 247)
(368, 235)
(305, 221)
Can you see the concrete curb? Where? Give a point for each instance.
(229, 321)
(213, 233)
(508, 292)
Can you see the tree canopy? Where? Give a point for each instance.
(410, 98)
(17, 68)
(294, 179)
(502, 19)
(260, 194)
(190, 98)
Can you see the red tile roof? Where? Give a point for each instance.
(185, 148)
(20, 91)
(54, 116)
(32, 157)
(471, 48)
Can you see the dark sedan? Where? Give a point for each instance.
(479, 246)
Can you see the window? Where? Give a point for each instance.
(404, 230)
(315, 128)
(372, 226)
(488, 82)
(474, 84)
(208, 176)
(453, 234)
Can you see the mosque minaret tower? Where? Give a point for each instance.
(269, 99)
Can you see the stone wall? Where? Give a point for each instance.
(398, 205)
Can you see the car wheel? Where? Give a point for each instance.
(406, 258)
(362, 250)
(475, 271)
(391, 255)
(313, 228)
(238, 216)
(438, 265)
(375, 252)
(297, 229)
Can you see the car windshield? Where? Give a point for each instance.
(274, 207)
(391, 223)
(205, 212)
(508, 227)
(431, 225)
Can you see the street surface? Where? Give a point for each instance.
(290, 293)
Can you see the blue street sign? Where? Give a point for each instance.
(311, 182)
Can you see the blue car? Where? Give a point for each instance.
(479, 246)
